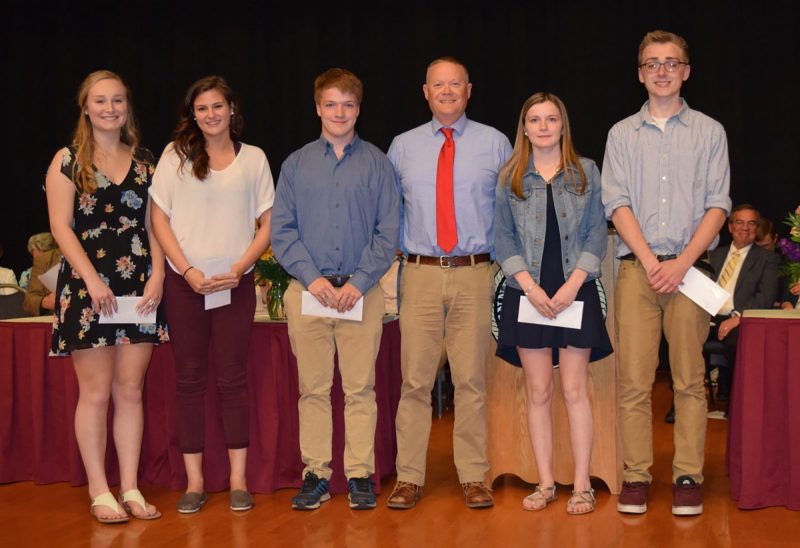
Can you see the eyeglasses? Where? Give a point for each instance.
(748, 224)
(669, 66)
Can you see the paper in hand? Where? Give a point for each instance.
(310, 306)
(126, 312)
(212, 267)
(570, 317)
(703, 291)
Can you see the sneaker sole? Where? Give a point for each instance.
(632, 508)
(241, 508)
(357, 506)
(400, 506)
(687, 510)
(324, 498)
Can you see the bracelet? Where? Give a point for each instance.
(187, 270)
(526, 291)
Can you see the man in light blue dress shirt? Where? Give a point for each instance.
(445, 295)
(665, 186)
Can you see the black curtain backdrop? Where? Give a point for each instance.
(744, 58)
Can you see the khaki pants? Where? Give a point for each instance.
(640, 315)
(314, 342)
(451, 305)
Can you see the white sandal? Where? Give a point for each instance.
(134, 495)
(539, 499)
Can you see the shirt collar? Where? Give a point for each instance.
(328, 148)
(458, 126)
(646, 118)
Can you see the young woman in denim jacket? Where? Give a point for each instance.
(550, 238)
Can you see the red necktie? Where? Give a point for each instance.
(446, 232)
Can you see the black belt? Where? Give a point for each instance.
(338, 280)
(450, 262)
(661, 258)
(701, 263)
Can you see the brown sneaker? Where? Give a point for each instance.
(687, 500)
(477, 495)
(404, 496)
(633, 498)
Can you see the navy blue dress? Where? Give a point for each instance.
(592, 333)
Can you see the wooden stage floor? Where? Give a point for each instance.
(41, 515)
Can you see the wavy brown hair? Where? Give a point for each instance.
(189, 142)
(83, 138)
(516, 166)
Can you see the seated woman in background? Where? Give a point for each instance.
(40, 301)
(6, 277)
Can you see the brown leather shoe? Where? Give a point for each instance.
(477, 495)
(404, 496)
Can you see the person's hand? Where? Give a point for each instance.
(103, 300)
(324, 292)
(348, 295)
(564, 297)
(49, 302)
(229, 280)
(795, 289)
(151, 298)
(669, 277)
(541, 302)
(197, 280)
(727, 326)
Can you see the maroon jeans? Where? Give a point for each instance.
(221, 334)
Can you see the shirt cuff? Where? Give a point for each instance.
(514, 264)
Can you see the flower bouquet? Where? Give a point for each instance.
(274, 280)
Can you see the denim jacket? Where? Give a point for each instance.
(519, 224)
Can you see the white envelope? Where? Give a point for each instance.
(212, 267)
(310, 306)
(50, 278)
(703, 291)
(571, 317)
(126, 312)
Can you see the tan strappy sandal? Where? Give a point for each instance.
(581, 497)
(540, 498)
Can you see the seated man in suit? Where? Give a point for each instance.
(750, 274)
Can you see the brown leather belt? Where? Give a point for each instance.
(450, 262)
(338, 280)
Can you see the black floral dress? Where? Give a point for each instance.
(110, 224)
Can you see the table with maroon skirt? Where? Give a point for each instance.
(38, 395)
(764, 418)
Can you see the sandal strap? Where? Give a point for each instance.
(107, 499)
(541, 490)
(584, 496)
(134, 495)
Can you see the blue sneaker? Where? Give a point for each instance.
(313, 492)
(362, 495)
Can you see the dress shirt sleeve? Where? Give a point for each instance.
(506, 250)
(614, 179)
(719, 172)
(594, 231)
(287, 247)
(395, 156)
(378, 255)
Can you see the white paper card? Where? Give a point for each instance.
(310, 306)
(571, 317)
(50, 278)
(126, 312)
(703, 291)
(212, 267)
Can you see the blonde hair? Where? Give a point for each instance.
(663, 37)
(83, 137)
(512, 173)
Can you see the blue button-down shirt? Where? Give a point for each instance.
(336, 215)
(668, 178)
(480, 153)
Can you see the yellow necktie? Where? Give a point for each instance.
(730, 268)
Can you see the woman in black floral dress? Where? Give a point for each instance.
(98, 206)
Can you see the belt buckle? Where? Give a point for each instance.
(444, 262)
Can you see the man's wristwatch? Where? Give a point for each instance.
(735, 313)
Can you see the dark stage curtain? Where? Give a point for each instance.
(743, 55)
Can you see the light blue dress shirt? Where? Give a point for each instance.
(481, 152)
(668, 178)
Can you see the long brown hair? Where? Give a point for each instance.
(83, 137)
(517, 164)
(189, 142)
